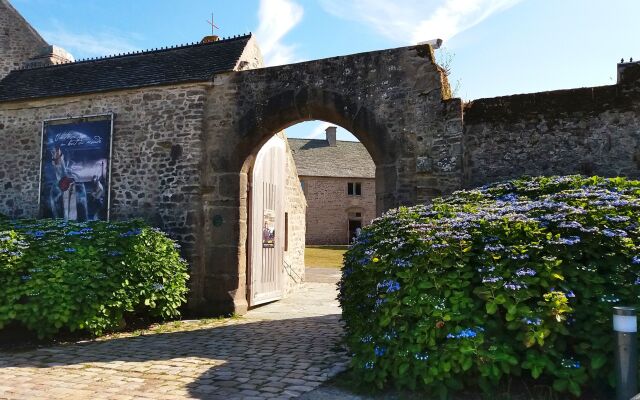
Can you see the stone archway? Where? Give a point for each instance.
(395, 102)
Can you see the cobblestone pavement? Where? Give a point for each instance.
(281, 350)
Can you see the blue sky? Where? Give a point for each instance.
(498, 47)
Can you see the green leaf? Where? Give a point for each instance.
(403, 368)
(560, 385)
(597, 361)
(467, 363)
(574, 388)
(536, 371)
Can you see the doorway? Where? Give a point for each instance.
(355, 225)
(267, 226)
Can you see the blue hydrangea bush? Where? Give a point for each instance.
(87, 276)
(513, 279)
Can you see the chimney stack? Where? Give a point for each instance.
(331, 136)
(210, 39)
(49, 55)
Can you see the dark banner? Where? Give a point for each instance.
(75, 169)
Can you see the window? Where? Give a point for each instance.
(303, 186)
(354, 189)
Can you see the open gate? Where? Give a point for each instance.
(266, 221)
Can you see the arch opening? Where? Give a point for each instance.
(327, 195)
(228, 181)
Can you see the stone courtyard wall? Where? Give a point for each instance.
(18, 40)
(296, 208)
(395, 101)
(578, 131)
(156, 154)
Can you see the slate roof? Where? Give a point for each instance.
(314, 157)
(189, 63)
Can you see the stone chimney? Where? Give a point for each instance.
(49, 55)
(331, 136)
(628, 72)
(210, 38)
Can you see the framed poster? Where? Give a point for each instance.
(75, 168)
(269, 229)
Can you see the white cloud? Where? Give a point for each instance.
(412, 21)
(83, 45)
(277, 18)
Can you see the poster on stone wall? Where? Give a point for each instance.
(74, 174)
(269, 229)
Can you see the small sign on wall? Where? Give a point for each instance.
(269, 229)
(75, 168)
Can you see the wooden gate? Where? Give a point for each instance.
(266, 221)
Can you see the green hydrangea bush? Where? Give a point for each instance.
(513, 279)
(86, 276)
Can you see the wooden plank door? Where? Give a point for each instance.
(266, 232)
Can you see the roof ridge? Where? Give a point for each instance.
(138, 53)
(324, 140)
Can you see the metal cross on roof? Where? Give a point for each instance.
(213, 26)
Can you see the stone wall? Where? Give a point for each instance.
(295, 207)
(156, 154)
(394, 101)
(578, 131)
(251, 57)
(328, 207)
(18, 40)
(156, 168)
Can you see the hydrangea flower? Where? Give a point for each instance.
(570, 363)
(467, 333)
(569, 241)
(532, 321)
(158, 287)
(514, 285)
(570, 225)
(614, 233)
(389, 285)
(366, 339)
(379, 351)
(616, 218)
(132, 232)
(526, 272)
(390, 335)
(494, 248)
(399, 262)
(379, 303)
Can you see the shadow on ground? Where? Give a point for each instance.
(284, 357)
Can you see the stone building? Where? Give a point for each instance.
(160, 102)
(338, 180)
(189, 122)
